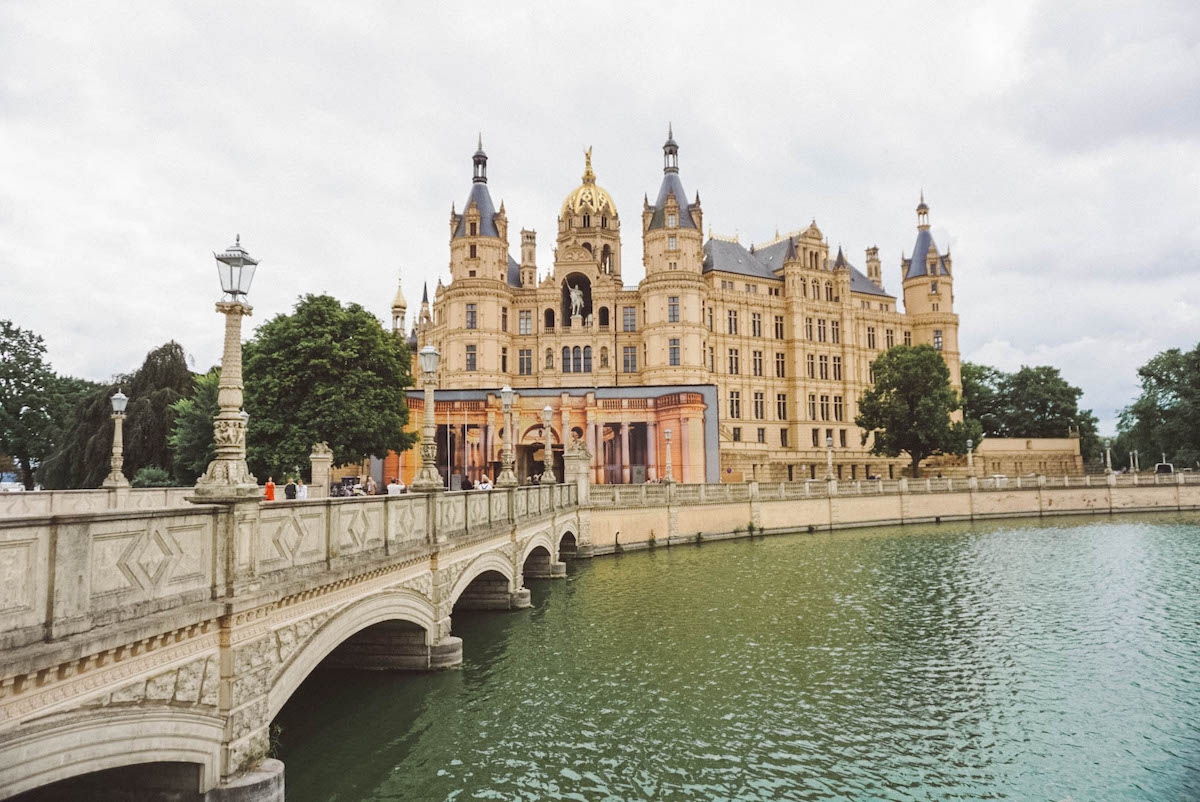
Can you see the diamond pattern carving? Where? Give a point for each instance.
(287, 538)
(150, 559)
(358, 526)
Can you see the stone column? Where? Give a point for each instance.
(598, 454)
(685, 463)
(115, 477)
(321, 460)
(227, 476)
(548, 477)
(651, 451)
(626, 471)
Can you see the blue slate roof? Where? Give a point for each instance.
(917, 264)
(671, 183)
(487, 212)
(732, 257)
(514, 272)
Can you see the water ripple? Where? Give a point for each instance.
(1043, 661)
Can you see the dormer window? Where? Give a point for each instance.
(671, 221)
(474, 229)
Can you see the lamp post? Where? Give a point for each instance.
(227, 475)
(548, 477)
(970, 457)
(1108, 456)
(670, 477)
(428, 480)
(115, 477)
(829, 457)
(507, 477)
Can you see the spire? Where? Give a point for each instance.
(922, 213)
(588, 176)
(480, 161)
(425, 294)
(670, 153)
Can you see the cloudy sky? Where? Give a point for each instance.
(1058, 145)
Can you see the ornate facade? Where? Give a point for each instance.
(763, 350)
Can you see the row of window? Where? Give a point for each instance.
(841, 441)
(819, 407)
(574, 360)
(525, 318)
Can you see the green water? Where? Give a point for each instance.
(1042, 660)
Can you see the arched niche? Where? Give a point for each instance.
(580, 282)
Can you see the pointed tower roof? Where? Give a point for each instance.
(671, 185)
(918, 264)
(480, 196)
(398, 302)
(425, 294)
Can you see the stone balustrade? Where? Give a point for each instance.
(56, 502)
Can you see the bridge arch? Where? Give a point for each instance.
(390, 605)
(110, 738)
(492, 561)
(542, 539)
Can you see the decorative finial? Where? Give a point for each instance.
(481, 140)
(588, 175)
(237, 240)
(922, 194)
(670, 131)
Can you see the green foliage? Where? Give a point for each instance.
(152, 476)
(1165, 418)
(36, 405)
(325, 373)
(191, 439)
(908, 409)
(81, 457)
(1032, 402)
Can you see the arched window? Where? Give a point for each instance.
(606, 259)
(567, 359)
(816, 290)
(549, 320)
(587, 246)
(604, 221)
(576, 360)
(603, 357)
(587, 220)
(828, 291)
(587, 359)
(549, 359)
(604, 313)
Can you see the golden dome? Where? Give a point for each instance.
(589, 197)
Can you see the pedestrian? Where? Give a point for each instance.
(372, 486)
(301, 490)
(484, 484)
(269, 493)
(395, 487)
(289, 490)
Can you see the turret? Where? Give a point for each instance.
(929, 296)
(874, 266)
(399, 308)
(528, 258)
(671, 232)
(589, 220)
(479, 236)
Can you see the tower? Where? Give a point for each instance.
(528, 258)
(929, 297)
(673, 292)
(589, 219)
(399, 308)
(479, 236)
(874, 266)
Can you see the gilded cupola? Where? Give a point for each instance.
(589, 198)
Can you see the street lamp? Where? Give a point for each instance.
(227, 476)
(115, 477)
(428, 480)
(670, 477)
(970, 457)
(1108, 456)
(548, 477)
(507, 477)
(829, 457)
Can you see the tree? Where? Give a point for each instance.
(1163, 419)
(151, 476)
(35, 404)
(908, 409)
(81, 458)
(191, 438)
(324, 373)
(1032, 402)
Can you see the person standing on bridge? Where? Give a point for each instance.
(301, 490)
(289, 490)
(269, 489)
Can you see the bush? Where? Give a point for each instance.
(152, 476)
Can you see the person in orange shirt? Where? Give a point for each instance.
(270, 489)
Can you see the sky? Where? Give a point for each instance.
(1057, 144)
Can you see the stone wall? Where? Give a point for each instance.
(636, 517)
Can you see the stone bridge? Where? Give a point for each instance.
(146, 651)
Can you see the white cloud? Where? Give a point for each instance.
(1059, 147)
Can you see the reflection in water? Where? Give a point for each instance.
(1040, 660)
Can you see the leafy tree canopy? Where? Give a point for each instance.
(1032, 402)
(36, 405)
(1165, 417)
(324, 373)
(151, 476)
(908, 409)
(191, 438)
(81, 458)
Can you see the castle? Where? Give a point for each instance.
(744, 362)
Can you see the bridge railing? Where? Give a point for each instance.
(66, 573)
(54, 502)
(678, 493)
